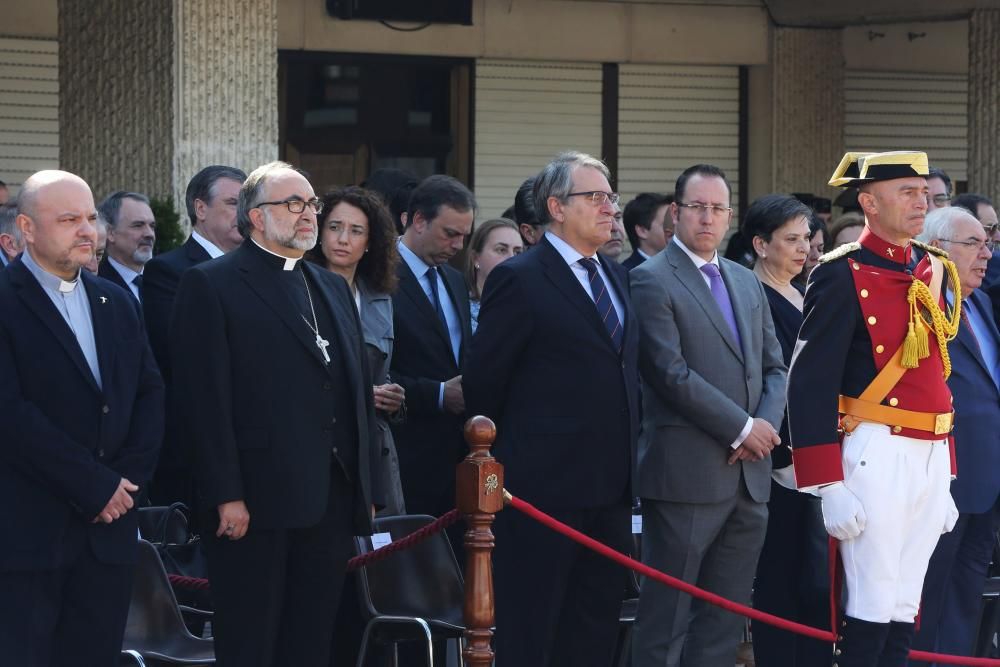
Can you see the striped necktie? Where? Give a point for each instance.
(602, 299)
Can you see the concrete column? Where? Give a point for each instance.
(151, 91)
(984, 96)
(807, 133)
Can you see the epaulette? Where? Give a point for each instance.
(837, 253)
(929, 248)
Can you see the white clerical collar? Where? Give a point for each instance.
(46, 279)
(290, 262)
(213, 250)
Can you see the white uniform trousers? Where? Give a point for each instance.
(904, 486)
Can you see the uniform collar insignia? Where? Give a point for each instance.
(883, 248)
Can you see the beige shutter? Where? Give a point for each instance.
(891, 111)
(29, 108)
(526, 112)
(671, 117)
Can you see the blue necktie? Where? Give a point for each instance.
(605, 308)
(721, 296)
(432, 275)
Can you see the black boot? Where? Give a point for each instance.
(860, 643)
(897, 645)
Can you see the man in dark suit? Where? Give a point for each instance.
(433, 326)
(84, 410)
(553, 363)
(953, 586)
(131, 235)
(267, 360)
(211, 206)
(713, 399)
(648, 225)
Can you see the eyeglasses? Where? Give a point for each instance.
(939, 200)
(296, 205)
(712, 209)
(988, 244)
(598, 197)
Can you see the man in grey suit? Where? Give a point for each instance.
(713, 398)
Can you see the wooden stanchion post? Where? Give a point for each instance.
(479, 486)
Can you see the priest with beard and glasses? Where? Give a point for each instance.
(268, 363)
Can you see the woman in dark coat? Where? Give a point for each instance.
(792, 573)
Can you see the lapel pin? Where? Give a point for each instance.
(103, 299)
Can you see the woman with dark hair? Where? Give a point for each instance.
(817, 246)
(792, 579)
(494, 241)
(357, 241)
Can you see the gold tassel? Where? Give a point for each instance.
(911, 348)
(923, 347)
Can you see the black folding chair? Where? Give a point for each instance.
(413, 595)
(155, 631)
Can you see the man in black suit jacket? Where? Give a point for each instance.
(211, 206)
(433, 326)
(84, 415)
(131, 235)
(648, 225)
(554, 364)
(268, 368)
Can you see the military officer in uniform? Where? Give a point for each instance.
(868, 408)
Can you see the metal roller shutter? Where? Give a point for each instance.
(890, 111)
(29, 108)
(671, 117)
(525, 113)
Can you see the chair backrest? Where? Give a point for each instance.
(164, 525)
(423, 580)
(153, 615)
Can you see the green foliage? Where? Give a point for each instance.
(169, 233)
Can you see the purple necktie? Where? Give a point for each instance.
(722, 298)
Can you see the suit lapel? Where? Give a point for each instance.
(103, 316)
(967, 338)
(410, 286)
(195, 252)
(38, 302)
(694, 281)
(454, 283)
(340, 317)
(258, 276)
(740, 302)
(559, 272)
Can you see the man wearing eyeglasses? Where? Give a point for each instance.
(713, 399)
(952, 594)
(267, 360)
(938, 189)
(554, 364)
(984, 211)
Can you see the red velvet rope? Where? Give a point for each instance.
(743, 610)
(191, 583)
(420, 535)
(436, 526)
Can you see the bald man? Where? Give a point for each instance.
(83, 403)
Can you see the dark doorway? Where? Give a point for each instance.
(342, 116)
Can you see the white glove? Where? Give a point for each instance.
(843, 515)
(951, 518)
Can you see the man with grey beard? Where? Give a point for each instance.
(267, 362)
(131, 234)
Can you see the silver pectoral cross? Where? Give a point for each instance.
(322, 344)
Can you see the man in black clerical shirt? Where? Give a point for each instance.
(267, 359)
